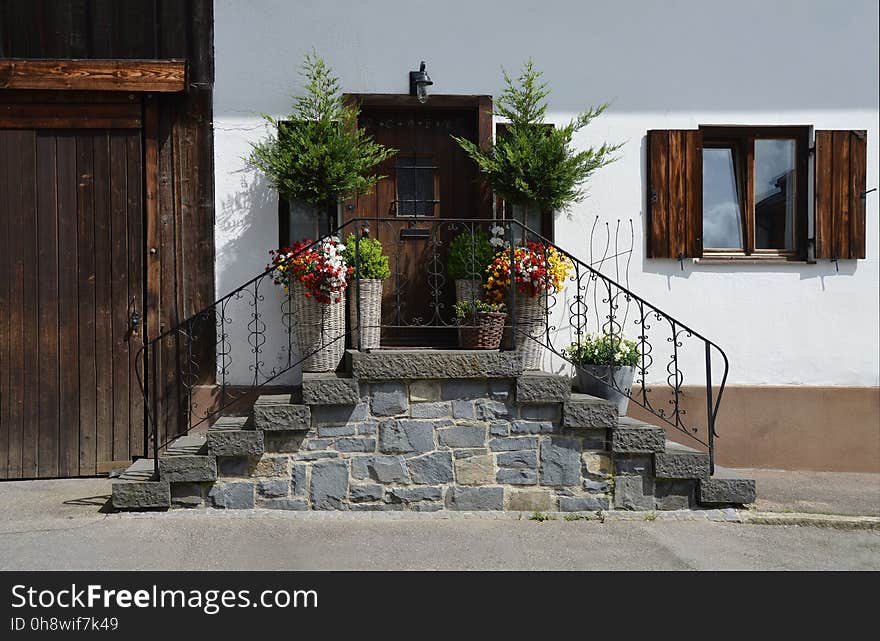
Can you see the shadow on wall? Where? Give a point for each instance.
(674, 269)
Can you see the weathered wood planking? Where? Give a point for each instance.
(840, 183)
(675, 203)
(94, 75)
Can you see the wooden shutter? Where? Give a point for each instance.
(841, 157)
(675, 193)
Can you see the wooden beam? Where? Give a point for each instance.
(94, 75)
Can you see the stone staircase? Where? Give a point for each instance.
(427, 430)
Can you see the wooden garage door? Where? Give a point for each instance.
(71, 274)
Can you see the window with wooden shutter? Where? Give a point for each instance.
(841, 158)
(675, 197)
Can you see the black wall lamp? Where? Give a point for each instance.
(419, 81)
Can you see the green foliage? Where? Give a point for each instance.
(604, 349)
(367, 254)
(534, 162)
(540, 517)
(469, 254)
(317, 153)
(465, 308)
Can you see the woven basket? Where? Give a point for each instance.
(531, 324)
(368, 332)
(467, 289)
(320, 330)
(482, 330)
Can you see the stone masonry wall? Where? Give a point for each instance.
(426, 445)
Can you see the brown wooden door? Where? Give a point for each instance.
(430, 178)
(71, 274)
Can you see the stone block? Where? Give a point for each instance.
(469, 452)
(475, 470)
(272, 466)
(340, 414)
(384, 469)
(406, 435)
(463, 409)
(517, 476)
(188, 495)
(431, 469)
(235, 442)
(500, 390)
(522, 458)
(414, 494)
(499, 428)
(463, 390)
(431, 410)
(475, 498)
(583, 411)
(532, 427)
(368, 428)
(235, 465)
(487, 409)
(329, 485)
(273, 488)
(721, 491)
(541, 387)
(312, 444)
(463, 435)
(596, 464)
(356, 444)
(596, 487)
(314, 456)
(283, 442)
(560, 462)
(582, 504)
(634, 465)
(365, 492)
(541, 412)
(531, 501)
(298, 485)
(513, 443)
(404, 364)
(424, 391)
(331, 431)
(681, 465)
(187, 468)
(389, 399)
(329, 389)
(285, 417)
(630, 494)
(674, 494)
(635, 437)
(232, 496)
(285, 504)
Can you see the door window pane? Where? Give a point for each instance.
(415, 185)
(775, 186)
(722, 209)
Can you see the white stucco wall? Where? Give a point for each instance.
(668, 64)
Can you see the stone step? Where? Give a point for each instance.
(280, 412)
(135, 489)
(230, 423)
(681, 462)
(541, 387)
(435, 364)
(585, 411)
(187, 460)
(725, 488)
(329, 389)
(631, 436)
(232, 442)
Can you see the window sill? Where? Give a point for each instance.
(751, 260)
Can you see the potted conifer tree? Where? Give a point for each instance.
(469, 255)
(315, 157)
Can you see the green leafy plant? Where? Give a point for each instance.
(469, 254)
(464, 308)
(534, 162)
(364, 255)
(604, 349)
(317, 153)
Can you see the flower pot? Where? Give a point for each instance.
(608, 382)
(367, 333)
(530, 314)
(482, 330)
(319, 330)
(468, 289)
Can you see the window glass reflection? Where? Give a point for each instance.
(775, 186)
(722, 211)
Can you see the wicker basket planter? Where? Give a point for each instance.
(319, 330)
(531, 324)
(468, 289)
(482, 330)
(367, 333)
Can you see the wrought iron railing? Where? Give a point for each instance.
(245, 341)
